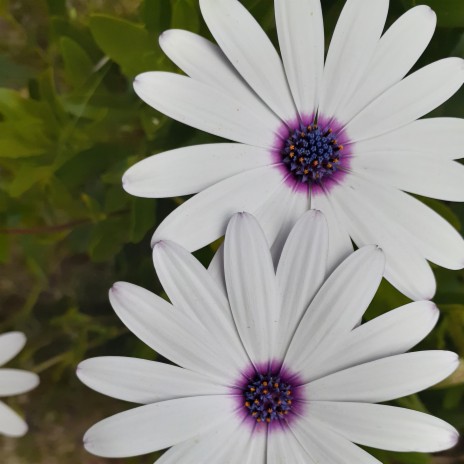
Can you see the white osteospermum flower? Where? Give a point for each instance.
(13, 382)
(340, 136)
(273, 368)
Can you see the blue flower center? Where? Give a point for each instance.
(267, 397)
(312, 153)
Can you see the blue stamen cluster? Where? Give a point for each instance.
(312, 153)
(268, 398)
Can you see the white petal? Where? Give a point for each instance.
(204, 107)
(16, 382)
(11, 344)
(395, 55)
(301, 271)
(340, 242)
(438, 138)
(326, 446)
(205, 62)
(385, 379)
(415, 173)
(251, 52)
(368, 222)
(252, 286)
(11, 424)
(353, 44)
(279, 214)
(222, 445)
(142, 381)
(386, 427)
(170, 332)
(394, 332)
(216, 269)
(192, 169)
(284, 448)
(410, 99)
(336, 308)
(203, 219)
(301, 37)
(433, 236)
(157, 426)
(192, 290)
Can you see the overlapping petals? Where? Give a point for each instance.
(13, 382)
(244, 91)
(296, 315)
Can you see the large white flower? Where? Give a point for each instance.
(13, 382)
(339, 136)
(275, 367)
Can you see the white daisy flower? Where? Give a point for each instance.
(275, 367)
(340, 135)
(13, 382)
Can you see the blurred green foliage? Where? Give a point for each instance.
(70, 125)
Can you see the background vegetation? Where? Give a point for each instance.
(70, 125)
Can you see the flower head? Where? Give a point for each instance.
(274, 366)
(339, 134)
(13, 382)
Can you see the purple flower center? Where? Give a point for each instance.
(312, 153)
(268, 397)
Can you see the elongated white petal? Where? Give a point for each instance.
(415, 173)
(395, 55)
(283, 447)
(393, 333)
(192, 169)
(156, 426)
(225, 444)
(279, 214)
(252, 286)
(205, 62)
(192, 290)
(340, 242)
(438, 138)
(216, 269)
(326, 446)
(301, 271)
(16, 382)
(11, 344)
(385, 379)
(426, 230)
(336, 308)
(204, 107)
(203, 219)
(170, 332)
(301, 37)
(11, 424)
(353, 44)
(386, 427)
(142, 381)
(410, 99)
(367, 222)
(251, 52)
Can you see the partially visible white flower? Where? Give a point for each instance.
(13, 382)
(339, 134)
(274, 367)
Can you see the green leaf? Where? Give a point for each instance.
(26, 177)
(128, 44)
(107, 239)
(185, 15)
(156, 15)
(450, 12)
(142, 218)
(77, 64)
